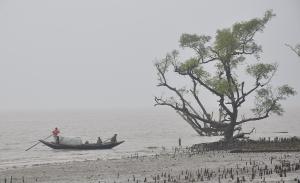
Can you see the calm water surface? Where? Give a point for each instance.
(145, 131)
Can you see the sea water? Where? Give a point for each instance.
(145, 131)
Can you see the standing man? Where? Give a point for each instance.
(55, 133)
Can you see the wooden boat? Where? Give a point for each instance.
(105, 145)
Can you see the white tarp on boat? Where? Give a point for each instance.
(70, 140)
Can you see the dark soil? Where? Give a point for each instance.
(246, 145)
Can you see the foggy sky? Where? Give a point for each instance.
(70, 54)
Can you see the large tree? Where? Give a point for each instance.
(215, 68)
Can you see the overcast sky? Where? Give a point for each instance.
(70, 54)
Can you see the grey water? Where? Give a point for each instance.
(145, 131)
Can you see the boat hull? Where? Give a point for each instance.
(107, 145)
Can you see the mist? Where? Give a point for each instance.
(99, 54)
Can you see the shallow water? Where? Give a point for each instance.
(145, 131)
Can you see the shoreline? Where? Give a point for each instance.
(212, 166)
(23, 165)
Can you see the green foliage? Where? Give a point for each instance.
(226, 52)
(189, 65)
(193, 40)
(225, 44)
(201, 73)
(233, 64)
(220, 85)
(261, 70)
(197, 43)
(267, 99)
(235, 61)
(245, 31)
(192, 66)
(239, 39)
(285, 91)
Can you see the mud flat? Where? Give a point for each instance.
(179, 166)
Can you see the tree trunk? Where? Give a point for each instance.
(228, 134)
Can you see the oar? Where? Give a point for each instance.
(38, 143)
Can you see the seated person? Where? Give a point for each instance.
(114, 139)
(99, 141)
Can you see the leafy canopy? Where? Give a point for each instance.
(226, 54)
